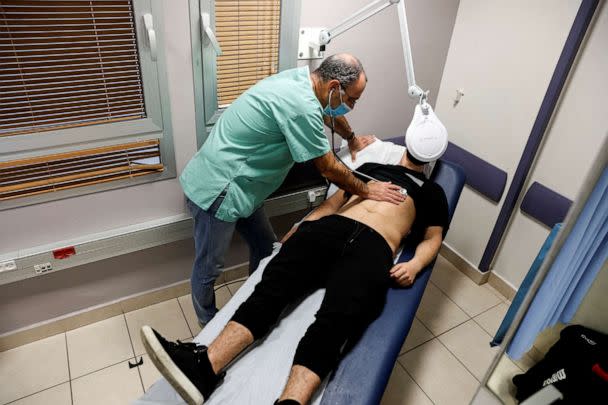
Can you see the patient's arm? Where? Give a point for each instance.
(405, 273)
(327, 207)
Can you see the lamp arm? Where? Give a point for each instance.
(355, 19)
(376, 6)
(413, 90)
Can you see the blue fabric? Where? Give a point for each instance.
(524, 287)
(212, 238)
(572, 273)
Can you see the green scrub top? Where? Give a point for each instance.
(254, 144)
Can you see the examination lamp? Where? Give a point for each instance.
(426, 136)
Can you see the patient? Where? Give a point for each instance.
(347, 246)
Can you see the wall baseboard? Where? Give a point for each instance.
(479, 277)
(503, 286)
(462, 264)
(98, 313)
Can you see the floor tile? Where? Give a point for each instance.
(58, 395)
(472, 298)
(500, 381)
(471, 345)
(222, 296)
(98, 345)
(149, 373)
(439, 374)
(166, 317)
(437, 312)
(491, 319)
(235, 285)
(417, 335)
(185, 302)
(402, 390)
(33, 367)
(117, 384)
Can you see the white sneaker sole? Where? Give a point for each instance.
(169, 369)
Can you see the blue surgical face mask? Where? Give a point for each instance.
(340, 110)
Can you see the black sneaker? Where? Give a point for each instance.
(185, 365)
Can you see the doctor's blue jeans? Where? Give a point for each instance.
(212, 238)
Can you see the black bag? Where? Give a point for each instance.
(577, 365)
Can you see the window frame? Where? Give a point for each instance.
(204, 61)
(156, 125)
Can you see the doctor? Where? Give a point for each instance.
(249, 152)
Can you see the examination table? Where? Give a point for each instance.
(363, 373)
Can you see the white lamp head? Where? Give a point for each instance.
(426, 137)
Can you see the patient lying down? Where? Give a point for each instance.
(346, 246)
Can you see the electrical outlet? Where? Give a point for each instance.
(8, 265)
(43, 268)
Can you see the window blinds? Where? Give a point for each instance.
(67, 63)
(248, 32)
(26, 177)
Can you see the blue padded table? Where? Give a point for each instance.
(363, 373)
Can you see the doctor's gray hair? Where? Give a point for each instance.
(342, 67)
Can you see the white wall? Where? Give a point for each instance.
(503, 55)
(579, 125)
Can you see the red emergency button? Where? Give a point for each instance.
(64, 253)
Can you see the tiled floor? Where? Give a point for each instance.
(441, 362)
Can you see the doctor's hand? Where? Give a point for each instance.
(384, 191)
(404, 273)
(359, 142)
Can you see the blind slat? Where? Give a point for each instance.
(13, 43)
(104, 48)
(97, 87)
(78, 119)
(90, 182)
(49, 62)
(80, 153)
(49, 73)
(45, 56)
(63, 179)
(25, 106)
(26, 116)
(3, 99)
(34, 81)
(34, 70)
(15, 105)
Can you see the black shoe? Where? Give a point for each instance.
(185, 365)
(286, 402)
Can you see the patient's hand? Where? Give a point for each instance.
(404, 273)
(359, 142)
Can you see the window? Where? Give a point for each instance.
(80, 98)
(248, 33)
(257, 39)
